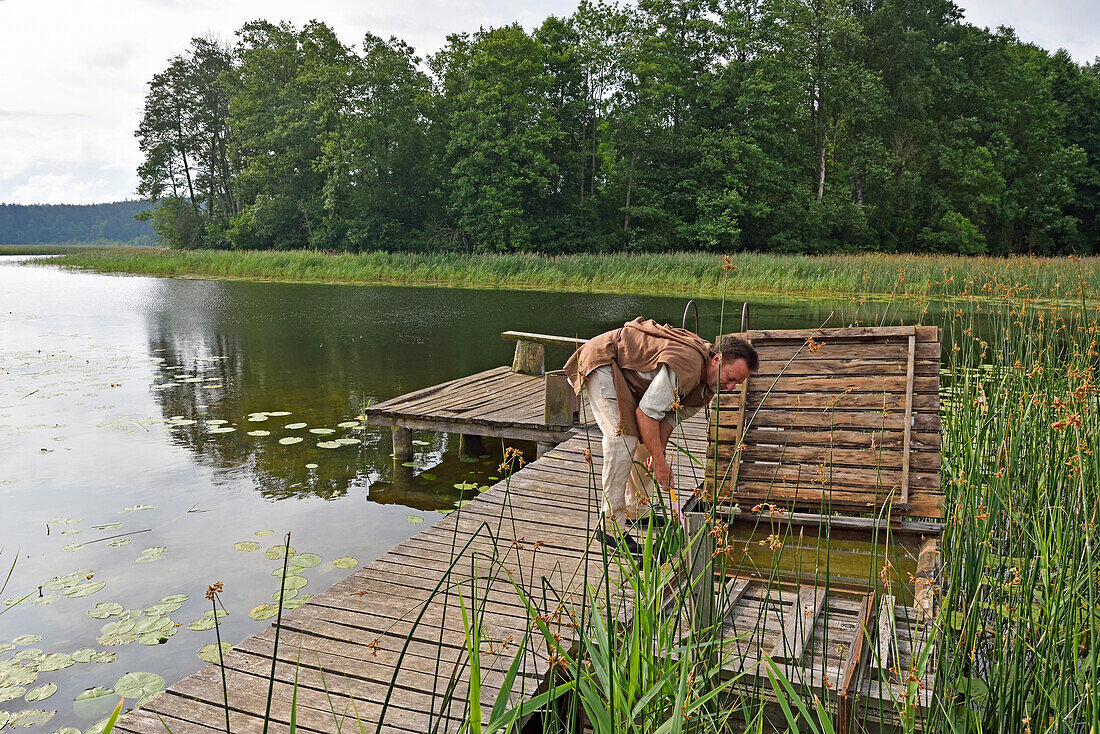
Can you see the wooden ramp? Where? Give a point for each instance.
(398, 622)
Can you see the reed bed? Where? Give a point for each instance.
(694, 274)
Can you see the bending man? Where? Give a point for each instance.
(640, 382)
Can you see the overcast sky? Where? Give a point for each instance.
(73, 72)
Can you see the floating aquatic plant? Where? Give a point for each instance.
(345, 563)
(259, 433)
(137, 685)
(149, 555)
(209, 652)
(246, 546)
(42, 692)
(295, 426)
(105, 609)
(287, 441)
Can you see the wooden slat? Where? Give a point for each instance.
(905, 447)
(858, 332)
(545, 339)
(884, 660)
(799, 625)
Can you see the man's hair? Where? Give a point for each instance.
(734, 348)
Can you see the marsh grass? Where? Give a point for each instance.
(696, 274)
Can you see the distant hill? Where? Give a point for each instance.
(33, 224)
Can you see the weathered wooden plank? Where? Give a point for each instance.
(884, 660)
(799, 625)
(857, 332)
(545, 339)
(905, 447)
(433, 390)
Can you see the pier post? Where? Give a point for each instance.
(530, 358)
(402, 444)
(470, 445)
(543, 448)
(701, 573)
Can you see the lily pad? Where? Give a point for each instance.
(468, 460)
(322, 431)
(305, 560)
(414, 519)
(247, 546)
(5, 646)
(83, 655)
(120, 542)
(348, 441)
(278, 413)
(175, 598)
(42, 692)
(158, 637)
(222, 429)
(71, 547)
(345, 563)
(284, 594)
(10, 693)
(93, 702)
(462, 503)
(201, 625)
(257, 418)
(216, 422)
(259, 433)
(209, 653)
(264, 611)
(31, 653)
(85, 589)
(121, 638)
(328, 444)
(104, 656)
(290, 440)
(71, 531)
(295, 426)
(54, 661)
(32, 717)
(411, 464)
(136, 685)
(278, 552)
(311, 466)
(137, 508)
(263, 533)
(152, 554)
(420, 443)
(105, 609)
(297, 601)
(44, 600)
(151, 624)
(348, 424)
(14, 674)
(27, 639)
(119, 626)
(91, 694)
(294, 582)
(162, 608)
(219, 613)
(65, 521)
(427, 476)
(130, 615)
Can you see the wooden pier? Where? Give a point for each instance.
(399, 621)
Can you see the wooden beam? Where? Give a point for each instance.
(701, 574)
(904, 498)
(928, 569)
(518, 433)
(852, 663)
(402, 444)
(544, 339)
(799, 626)
(886, 624)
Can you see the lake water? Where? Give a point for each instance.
(120, 483)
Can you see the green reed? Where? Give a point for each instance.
(695, 274)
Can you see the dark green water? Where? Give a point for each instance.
(94, 368)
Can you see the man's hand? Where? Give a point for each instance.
(663, 474)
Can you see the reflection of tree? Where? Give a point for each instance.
(322, 352)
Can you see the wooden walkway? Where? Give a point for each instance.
(398, 621)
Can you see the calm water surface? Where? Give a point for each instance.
(105, 478)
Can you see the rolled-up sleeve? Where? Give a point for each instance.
(660, 395)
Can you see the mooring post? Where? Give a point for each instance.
(701, 573)
(530, 358)
(402, 444)
(543, 448)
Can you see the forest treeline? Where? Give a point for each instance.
(768, 125)
(33, 224)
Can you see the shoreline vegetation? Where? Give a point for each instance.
(706, 275)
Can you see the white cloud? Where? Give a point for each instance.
(73, 73)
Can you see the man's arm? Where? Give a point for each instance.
(655, 435)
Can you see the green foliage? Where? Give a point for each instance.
(789, 125)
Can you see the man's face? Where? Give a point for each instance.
(726, 376)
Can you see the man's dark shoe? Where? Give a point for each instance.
(620, 541)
